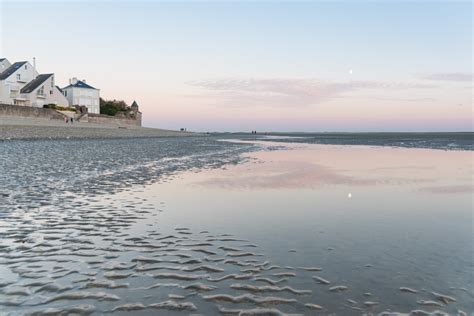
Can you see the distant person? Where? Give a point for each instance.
(66, 119)
(72, 120)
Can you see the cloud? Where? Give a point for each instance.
(397, 99)
(292, 92)
(452, 76)
(449, 189)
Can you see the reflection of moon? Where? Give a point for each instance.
(349, 195)
(350, 71)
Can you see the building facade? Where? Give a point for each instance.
(78, 92)
(13, 79)
(42, 90)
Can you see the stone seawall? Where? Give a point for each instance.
(9, 110)
(27, 112)
(114, 120)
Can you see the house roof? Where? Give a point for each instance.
(2, 59)
(10, 70)
(134, 104)
(80, 84)
(35, 83)
(60, 90)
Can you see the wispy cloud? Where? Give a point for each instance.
(401, 99)
(293, 92)
(450, 76)
(449, 189)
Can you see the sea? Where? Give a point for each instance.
(238, 224)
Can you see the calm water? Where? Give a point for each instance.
(194, 234)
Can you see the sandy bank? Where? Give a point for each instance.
(23, 128)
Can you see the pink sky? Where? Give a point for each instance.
(267, 66)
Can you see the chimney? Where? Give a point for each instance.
(73, 80)
(83, 80)
(34, 63)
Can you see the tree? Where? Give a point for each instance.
(112, 107)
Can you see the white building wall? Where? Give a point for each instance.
(5, 94)
(84, 96)
(58, 98)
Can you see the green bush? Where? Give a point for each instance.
(58, 107)
(112, 107)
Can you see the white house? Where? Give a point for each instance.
(78, 92)
(41, 91)
(12, 79)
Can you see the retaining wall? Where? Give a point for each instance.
(31, 112)
(115, 120)
(9, 110)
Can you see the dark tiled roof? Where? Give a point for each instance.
(10, 70)
(2, 59)
(80, 84)
(134, 104)
(35, 83)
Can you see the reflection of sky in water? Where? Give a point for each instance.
(400, 218)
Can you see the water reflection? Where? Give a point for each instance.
(276, 234)
(314, 166)
(394, 242)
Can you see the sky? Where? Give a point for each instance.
(306, 66)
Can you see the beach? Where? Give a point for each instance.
(30, 128)
(214, 225)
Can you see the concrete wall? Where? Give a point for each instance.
(26, 111)
(114, 120)
(9, 110)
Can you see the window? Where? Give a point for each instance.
(41, 90)
(52, 82)
(18, 76)
(50, 91)
(26, 66)
(65, 93)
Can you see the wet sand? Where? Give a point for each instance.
(81, 234)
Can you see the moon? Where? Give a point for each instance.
(349, 195)
(350, 71)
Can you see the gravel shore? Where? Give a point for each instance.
(15, 128)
